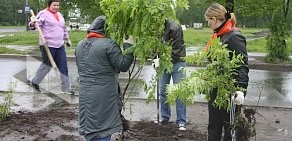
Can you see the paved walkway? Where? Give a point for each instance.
(267, 128)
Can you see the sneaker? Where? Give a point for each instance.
(162, 121)
(69, 92)
(36, 87)
(182, 127)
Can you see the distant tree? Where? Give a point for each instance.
(13, 13)
(279, 27)
(194, 14)
(89, 8)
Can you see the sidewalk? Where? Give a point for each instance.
(273, 123)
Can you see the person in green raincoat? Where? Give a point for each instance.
(99, 60)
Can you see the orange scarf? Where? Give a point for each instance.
(229, 26)
(93, 34)
(54, 13)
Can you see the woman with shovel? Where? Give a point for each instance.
(53, 33)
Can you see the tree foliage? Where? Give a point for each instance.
(276, 40)
(194, 14)
(144, 22)
(89, 9)
(5, 107)
(217, 75)
(9, 12)
(279, 27)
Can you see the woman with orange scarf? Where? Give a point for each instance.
(223, 25)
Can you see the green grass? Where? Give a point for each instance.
(250, 31)
(259, 45)
(193, 37)
(199, 37)
(4, 50)
(20, 38)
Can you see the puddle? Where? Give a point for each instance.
(271, 131)
(28, 102)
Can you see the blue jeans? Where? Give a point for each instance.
(108, 138)
(59, 56)
(180, 106)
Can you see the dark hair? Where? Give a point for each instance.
(51, 1)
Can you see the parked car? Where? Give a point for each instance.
(74, 23)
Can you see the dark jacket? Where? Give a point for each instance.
(236, 42)
(173, 33)
(99, 60)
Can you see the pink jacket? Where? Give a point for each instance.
(54, 31)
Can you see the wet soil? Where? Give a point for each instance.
(38, 124)
(150, 131)
(38, 127)
(60, 124)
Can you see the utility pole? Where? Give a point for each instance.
(230, 6)
(26, 10)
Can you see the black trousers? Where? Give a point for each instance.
(219, 119)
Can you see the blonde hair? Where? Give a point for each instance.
(219, 12)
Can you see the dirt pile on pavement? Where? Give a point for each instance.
(37, 126)
(150, 131)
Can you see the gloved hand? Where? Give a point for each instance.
(129, 40)
(238, 97)
(33, 19)
(68, 43)
(155, 63)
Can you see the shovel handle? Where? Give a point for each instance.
(44, 41)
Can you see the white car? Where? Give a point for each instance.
(74, 23)
(84, 27)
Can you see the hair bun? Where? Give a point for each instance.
(227, 15)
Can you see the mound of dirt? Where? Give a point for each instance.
(37, 126)
(150, 131)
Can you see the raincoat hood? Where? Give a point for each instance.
(98, 25)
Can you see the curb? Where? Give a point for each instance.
(255, 62)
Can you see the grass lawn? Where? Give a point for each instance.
(4, 50)
(193, 37)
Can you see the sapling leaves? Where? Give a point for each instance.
(217, 75)
(143, 20)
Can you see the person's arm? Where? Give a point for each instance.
(238, 44)
(66, 37)
(66, 33)
(120, 61)
(167, 34)
(39, 18)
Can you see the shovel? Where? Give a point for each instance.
(54, 66)
(232, 118)
(157, 95)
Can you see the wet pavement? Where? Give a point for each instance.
(12, 30)
(266, 89)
